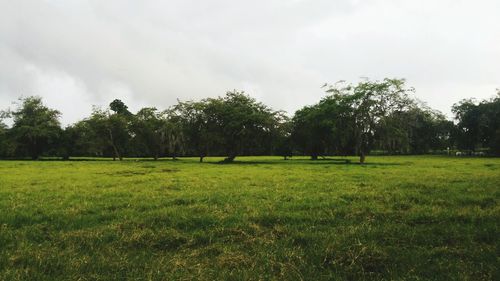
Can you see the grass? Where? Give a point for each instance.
(396, 218)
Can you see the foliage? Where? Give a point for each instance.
(369, 102)
(239, 121)
(5, 144)
(199, 134)
(352, 119)
(35, 127)
(417, 130)
(118, 107)
(280, 136)
(347, 119)
(478, 124)
(149, 128)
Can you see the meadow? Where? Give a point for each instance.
(260, 218)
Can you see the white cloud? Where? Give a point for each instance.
(79, 53)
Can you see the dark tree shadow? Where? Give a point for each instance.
(326, 161)
(320, 161)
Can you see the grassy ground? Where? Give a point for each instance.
(396, 218)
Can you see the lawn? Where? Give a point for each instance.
(262, 218)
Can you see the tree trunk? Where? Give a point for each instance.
(34, 153)
(230, 158)
(34, 150)
(362, 157)
(117, 154)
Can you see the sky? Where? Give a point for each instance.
(76, 54)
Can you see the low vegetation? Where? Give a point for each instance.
(259, 218)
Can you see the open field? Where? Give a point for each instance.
(395, 218)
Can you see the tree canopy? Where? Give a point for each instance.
(35, 128)
(478, 124)
(351, 119)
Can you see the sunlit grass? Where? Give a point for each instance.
(404, 218)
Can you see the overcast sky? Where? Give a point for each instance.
(76, 54)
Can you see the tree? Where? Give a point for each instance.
(172, 133)
(195, 127)
(35, 127)
(79, 139)
(148, 127)
(416, 130)
(468, 115)
(88, 137)
(111, 129)
(66, 142)
(282, 136)
(4, 141)
(118, 107)
(369, 101)
(239, 121)
(491, 136)
(478, 124)
(310, 131)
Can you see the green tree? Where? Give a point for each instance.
(195, 126)
(310, 131)
(4, 141)
(282, 136)
(416, 130)
(148, 127)
(468, 115)
(369, 102)
(79, 139)
(491, 136)
(85, 138)
(239, 121)
(35, 127)
(172, 133)
(478, 124)
(118, 107)
(110, 130)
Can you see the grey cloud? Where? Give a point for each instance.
(79, 53)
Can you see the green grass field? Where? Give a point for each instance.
(395, 218)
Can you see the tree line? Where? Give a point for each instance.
(351, 119)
